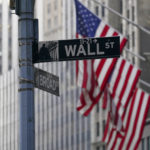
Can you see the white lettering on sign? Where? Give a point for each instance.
(72, 50)
(109, 45)
(81, 50)
(48, 82)
(98, 50)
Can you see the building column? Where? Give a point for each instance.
(14, 38)
(5, 29)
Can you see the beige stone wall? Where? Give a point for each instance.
(52, 19)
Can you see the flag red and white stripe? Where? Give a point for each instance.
(133, 122)
(122, 85)
(104, 67)
(123, 81)
(105, 30)
(87, 82)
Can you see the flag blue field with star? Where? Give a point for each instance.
(87, 22)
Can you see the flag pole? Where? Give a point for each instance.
(128, 20)
(131, 22)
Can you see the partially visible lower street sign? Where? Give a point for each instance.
(46, 81)
(77, 49)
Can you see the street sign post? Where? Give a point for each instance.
(46, 81)
(25, 9)
(77, 49)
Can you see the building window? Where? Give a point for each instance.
(133, 60)
(121, 28)
(10, 59)
(148, 143)
(49, 23)
(133, 14)
(128, 43)
(9, 20)
(121, 6)
(148, 117)
(0, 64)
(88, 135)
(55, 4)
(89, 4)
(97, 148)
(55, 20)
(128, 14)
(142, 144)
(97, 10)
(48, 8)
(104, 122)
(0, 45)
(97, 108)
(97, 129)
(103, 147)
(133, 39)
(77, 138)
(103, 11)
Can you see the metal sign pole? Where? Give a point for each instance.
(26, 76)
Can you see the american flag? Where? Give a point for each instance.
(123, 80)
(126, 134)
(133, 122)
(89, 25)
(121, 88)
(122, 84)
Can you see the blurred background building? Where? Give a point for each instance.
(58, 126)
(0, 38)
(9, 38)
